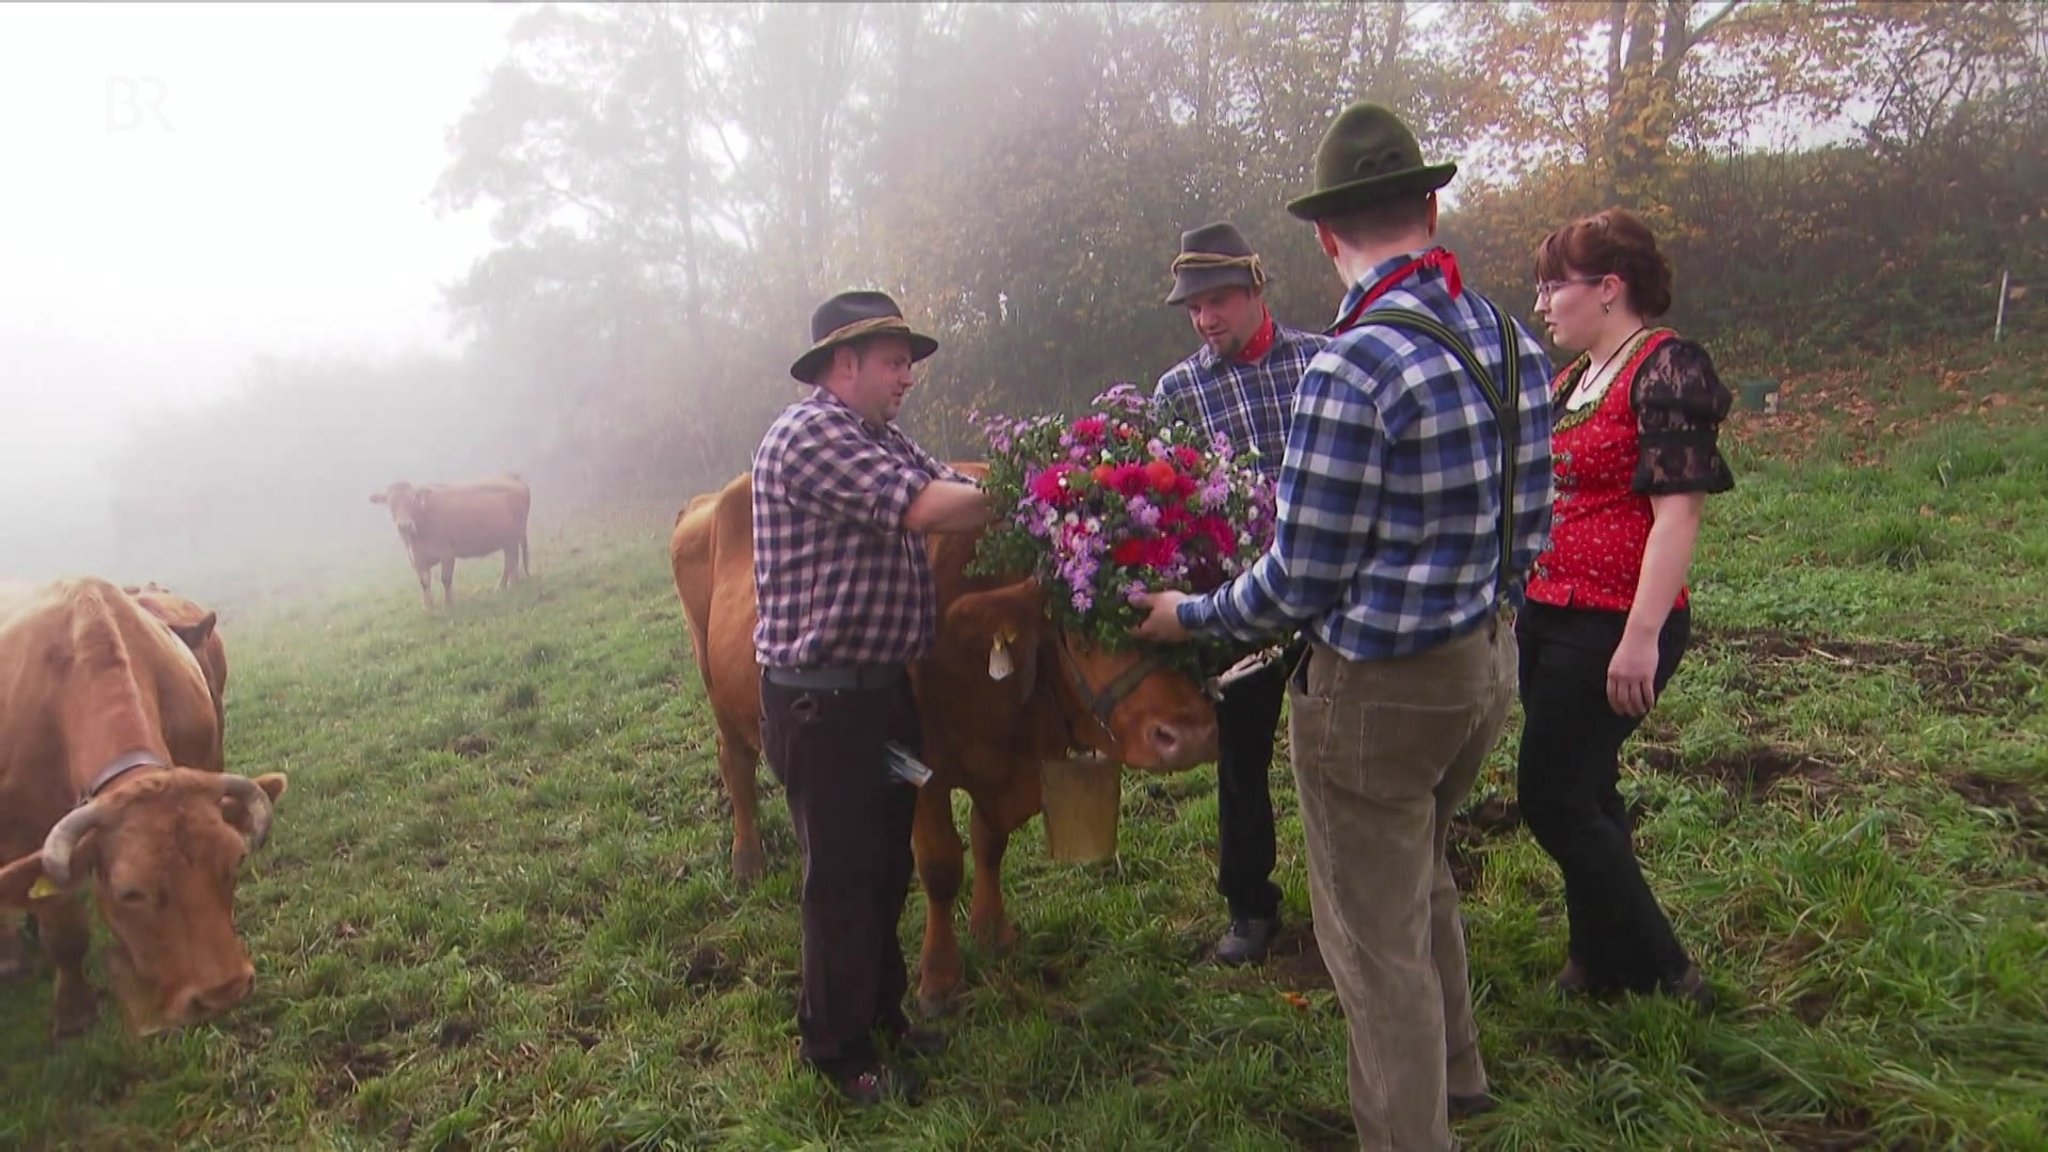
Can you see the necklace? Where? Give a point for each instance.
(1584, 394)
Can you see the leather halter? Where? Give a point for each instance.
(122, 765)
(1102, 705)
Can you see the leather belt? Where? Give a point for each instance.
(837, 677)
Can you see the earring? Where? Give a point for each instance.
(1606, 308)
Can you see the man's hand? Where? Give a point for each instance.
(1163, 625)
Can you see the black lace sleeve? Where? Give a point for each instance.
(1680, 404)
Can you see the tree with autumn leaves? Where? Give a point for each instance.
(674, 186)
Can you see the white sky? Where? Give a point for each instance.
(273, 200)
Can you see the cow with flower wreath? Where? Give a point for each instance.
(1033, 661)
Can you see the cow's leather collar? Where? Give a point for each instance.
(1102, 705)
(122, 765)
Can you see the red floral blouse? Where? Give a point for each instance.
(1654, 433)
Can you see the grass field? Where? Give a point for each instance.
(495, 911)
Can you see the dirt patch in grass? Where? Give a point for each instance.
(1746, 774)
(347, 1067)
(1813, 1006)
(2024, 802)
(1846, 1132)
(709, 970)
(457, 1032)
(1571, 1047)
(1981, 680)
(1494, 816)
(1294, 962)
(1317, 1130)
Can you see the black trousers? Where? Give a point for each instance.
(1566, 775)
(1245, 721)
(853, 823)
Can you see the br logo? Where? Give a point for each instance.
(135, 102)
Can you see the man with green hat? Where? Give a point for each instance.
(1414, 497)
(841, 501)
(1239, 385)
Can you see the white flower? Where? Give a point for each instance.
(1073, 518)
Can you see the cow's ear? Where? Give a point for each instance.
(1001, 626)
(194, 635)
(376, 498)
(23, 882)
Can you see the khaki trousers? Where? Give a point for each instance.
(1384, 752)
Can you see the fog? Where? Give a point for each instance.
(191, 187)
(257, 262)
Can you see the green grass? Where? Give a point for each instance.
(495, 911)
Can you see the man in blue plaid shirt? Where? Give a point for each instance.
(1414, 498)
(1240, 385)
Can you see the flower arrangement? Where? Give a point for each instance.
(1128, 499)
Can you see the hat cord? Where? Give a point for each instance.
(1217, 260)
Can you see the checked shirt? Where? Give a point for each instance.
(1248, 404)
(837, 579)
(1388, 537)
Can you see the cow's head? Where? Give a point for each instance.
(407, 505)
(192, 624)
(1131, 706)
(162, 856)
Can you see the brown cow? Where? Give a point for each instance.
(443, 523)
(199, 629)
(984, 736)
(110, 778)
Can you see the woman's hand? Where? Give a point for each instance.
(1632, 674)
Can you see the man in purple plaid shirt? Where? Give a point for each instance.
(1240, 385)
(842, 500)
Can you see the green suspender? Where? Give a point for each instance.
(1506, 406)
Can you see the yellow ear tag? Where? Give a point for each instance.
(42, 889)
(999, 663)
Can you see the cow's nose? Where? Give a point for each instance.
(1166, 741)
(207, 1002)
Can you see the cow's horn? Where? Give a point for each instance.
(256, 801)
(63, 839)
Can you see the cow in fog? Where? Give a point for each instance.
(111, 784)
(441, 523)
(198, 627)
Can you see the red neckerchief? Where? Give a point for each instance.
(1440, 258)
(1261, 343)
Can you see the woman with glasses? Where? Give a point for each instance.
(1607, 619)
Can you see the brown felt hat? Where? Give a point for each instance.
(850, 316)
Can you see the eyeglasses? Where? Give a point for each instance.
(1547, 288)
